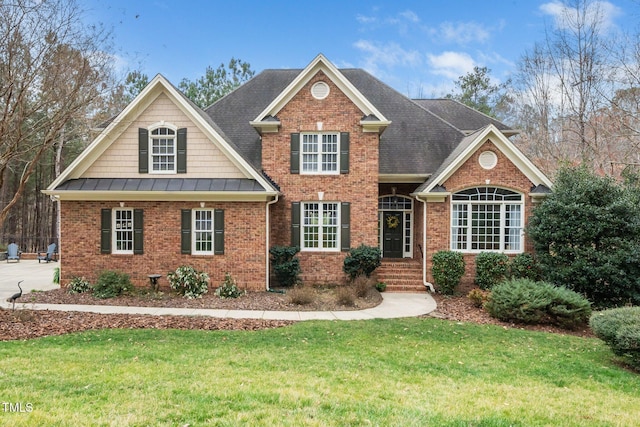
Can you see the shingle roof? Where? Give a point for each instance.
(461, 116)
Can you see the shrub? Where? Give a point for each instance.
(491, 269)
(381, 286)
(478, 297)
(361, 286)
(56, 275)
(301, 295)
(619, 328)
(362, 260)
(524, 266)
(78, 285)
(526, 301)
(447, 270)
(286, 266)
(229, 288)
(111, 284)
(345, 296)
(188, 282)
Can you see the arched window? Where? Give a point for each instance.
(162, 149)
(487, 219)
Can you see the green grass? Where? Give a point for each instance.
(385, 372)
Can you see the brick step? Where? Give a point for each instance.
(405, 287)
(401, 276)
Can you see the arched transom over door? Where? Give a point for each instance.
(395, 226)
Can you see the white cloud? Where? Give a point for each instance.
(451, 64)
(366, 19)
(462, 32)
(564, 15)
(387, 55)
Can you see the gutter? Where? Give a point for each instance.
(424, 245)
(268, 226)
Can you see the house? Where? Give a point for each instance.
(322, 158)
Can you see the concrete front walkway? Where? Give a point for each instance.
(40, 277)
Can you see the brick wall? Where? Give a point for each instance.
(471, 174)
(245, 240)
(359, 187)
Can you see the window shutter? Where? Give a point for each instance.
(295, 224)
(295, 153)
(345, 226)
(344, 152)
(138, 235)
(185, 231)
(181, 166)
(105, 231)
(218, 231)
(143, 150)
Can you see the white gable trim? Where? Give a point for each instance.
(505, 146)
(320, 63)
(145, 98)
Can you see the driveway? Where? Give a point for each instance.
(35, 276)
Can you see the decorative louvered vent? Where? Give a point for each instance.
(320, 90)
(488, 160)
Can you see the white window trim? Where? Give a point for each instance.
(174, 128)
(114, 232)
(194, 251)
(469, 236)
(319, 154)
(321, 226)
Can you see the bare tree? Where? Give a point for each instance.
(52, 71)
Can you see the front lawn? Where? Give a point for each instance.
(381, 372)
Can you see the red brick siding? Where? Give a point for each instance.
(244, 255)
(471, 174)
(359, 186)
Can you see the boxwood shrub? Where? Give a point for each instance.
(362, 260)
(527, 301)
(619, 328)
(447, 270)
(491, 269)
(111, 284)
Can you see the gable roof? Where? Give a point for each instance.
(462, 116)
(468, 145)
(117, 126)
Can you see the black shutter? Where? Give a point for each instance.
(185, 230)
(218, 231)
(138, 235)
(295, 153)
(181, 166)
(295, 224)
(105, 231)
(143, 150)
(345, 226)
(344, 152)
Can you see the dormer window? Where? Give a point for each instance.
(162, 150)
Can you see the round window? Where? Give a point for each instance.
(488, 160)
(320, 90)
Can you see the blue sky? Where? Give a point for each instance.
(417, 47)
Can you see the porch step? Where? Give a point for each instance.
(401, 275)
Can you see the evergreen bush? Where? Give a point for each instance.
(491, 269)
(526, 301)
(286, 266)
(524, 266)
(619, 328)
(188, 282)
(229, 288)
(78, 285)
(362, 260)
(111, 284)
(447, 270)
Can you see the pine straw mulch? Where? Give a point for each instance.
(26, 324)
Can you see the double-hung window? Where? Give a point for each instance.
(163, 150)
(487, 219)
(320, 225)
(202, 232)
(320, 153)
(123, 231)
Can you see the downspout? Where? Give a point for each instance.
(424, 245)
(275, 200)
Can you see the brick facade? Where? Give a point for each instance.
(245, 243)
(337, 113)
